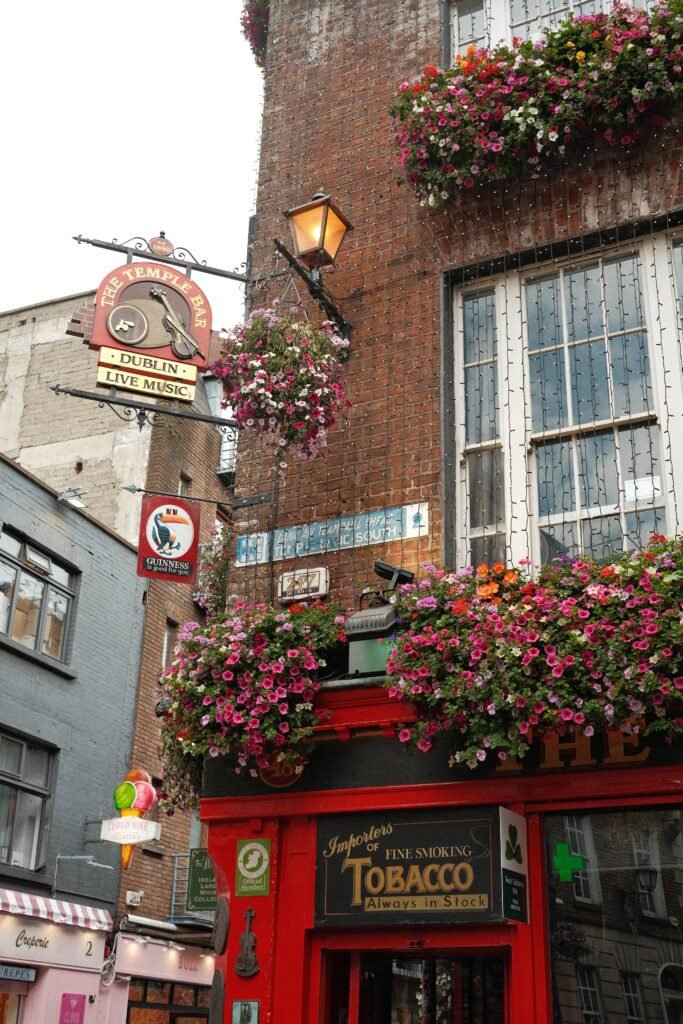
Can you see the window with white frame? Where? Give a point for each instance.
(229, 433)
(646, 855)
(486, 22)
(25, 786)
(589, 994)
(36, 595)
(469, 24)
(586, 881)
(529, 17)
(633, 999)
(560, 428)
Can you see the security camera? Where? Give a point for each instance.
(394, 573)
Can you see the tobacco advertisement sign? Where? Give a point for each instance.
(439, 866)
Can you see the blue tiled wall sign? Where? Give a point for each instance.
(353, 531)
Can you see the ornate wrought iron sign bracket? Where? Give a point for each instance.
(162, 250)
(145, 413)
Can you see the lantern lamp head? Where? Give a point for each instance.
(318, 230)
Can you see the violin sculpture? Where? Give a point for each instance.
(246, 964)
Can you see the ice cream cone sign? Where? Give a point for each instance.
(133, 799)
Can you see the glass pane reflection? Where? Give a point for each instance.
(463, 990)
(615, 889)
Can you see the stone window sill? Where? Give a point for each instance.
(40, 659)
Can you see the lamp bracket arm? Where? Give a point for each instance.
(316, 290)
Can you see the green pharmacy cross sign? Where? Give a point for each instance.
(567, 863)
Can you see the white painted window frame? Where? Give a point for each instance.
(665, 345)
(498, 22)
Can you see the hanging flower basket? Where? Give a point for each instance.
(244, 686)
(254, 20)
(506, 112)
(490, 656)
(211, 588)
(283, 377)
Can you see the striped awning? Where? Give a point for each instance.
(59, 911)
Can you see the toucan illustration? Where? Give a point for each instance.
(164, 538)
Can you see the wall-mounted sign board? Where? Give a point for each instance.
(407, 867)
(352, 531)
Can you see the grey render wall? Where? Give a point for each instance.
(88, 717)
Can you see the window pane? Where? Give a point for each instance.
(7, 806)
(27, 824)
(590, 392)
(36, 766)
(544, 319)
(602, 538)
(470, 22)
(489, 549)
(183, 995)
(630, 374)
(639, 459)
(38, 558)
(479, 324)
(158, 991)
(523, 10)
(10, 756)
(481, 400)
(555, 479)
(678, 267)
(27, 610)
(548, 394)
(55, 623)
(641, 525)
(485, 487)
(8, 577)
(597, 471)
(10, 544)
(582, 294)
(611, 958)
(60, 575)
(623, 298)
(558, 542)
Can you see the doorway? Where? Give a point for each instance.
(372, 988)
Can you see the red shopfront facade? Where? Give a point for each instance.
(369, 892)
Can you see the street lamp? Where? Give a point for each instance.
(318, 230)
(73, 496)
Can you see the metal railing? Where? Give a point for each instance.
(181, 876)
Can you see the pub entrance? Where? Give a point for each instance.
(434, 988)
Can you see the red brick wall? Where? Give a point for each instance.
(332, 71)
(177, 446)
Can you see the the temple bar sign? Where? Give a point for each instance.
(443, 866)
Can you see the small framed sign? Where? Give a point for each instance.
(303, 583)
(244, 1011)
(253, 867)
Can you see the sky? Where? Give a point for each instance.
(124, 120)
